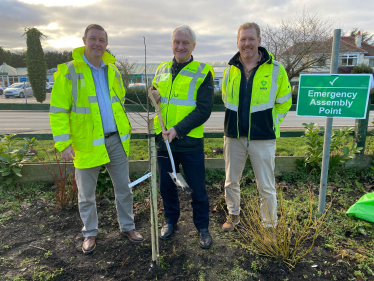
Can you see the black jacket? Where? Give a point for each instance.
(204, 104)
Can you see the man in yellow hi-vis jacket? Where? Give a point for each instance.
(90, 127)
(257, 96)
(185, 90)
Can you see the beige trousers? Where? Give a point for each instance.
(262, 157)
(118, 169)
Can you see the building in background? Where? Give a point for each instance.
(10, 75)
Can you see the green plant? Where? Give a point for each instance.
(314, 141)
(11, 159)
(35, 61)
(104, 183)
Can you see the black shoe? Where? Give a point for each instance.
(167, 231)
(205, 239)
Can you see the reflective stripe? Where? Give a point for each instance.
(115, 99)
(123, 98)
(56, 109)
(273, 91)
(284, 98)
(276, 121)
(64, 137)
(97, 142)
(118, 75)
(164, 99)
(165, 69)
(231, 106)
(195, 77)
(74, 76)
(282, 115)
(182, 102)
(125, 137)
(92, 99)
(227, 76)
(80, 109)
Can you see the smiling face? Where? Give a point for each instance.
(248, 43)
(182, 46)
(95, 43)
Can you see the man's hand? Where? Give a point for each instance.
(68, 153)
(171, 133)
(156, 95)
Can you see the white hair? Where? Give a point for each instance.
(185, 29)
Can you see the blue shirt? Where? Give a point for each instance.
(103, 96)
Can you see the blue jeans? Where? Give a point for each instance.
(194, 170)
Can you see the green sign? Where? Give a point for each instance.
(3, 73)
(333, 95)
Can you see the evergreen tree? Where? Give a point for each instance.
(35, 61)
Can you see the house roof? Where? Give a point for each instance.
(365, 46)
(347, 45)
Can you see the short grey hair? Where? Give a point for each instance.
(185, 29)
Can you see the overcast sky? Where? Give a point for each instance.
(214, 22)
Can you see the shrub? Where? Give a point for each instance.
(35, 61)
(11, 159)
(362, 68)
(313, 155)
(299, 225)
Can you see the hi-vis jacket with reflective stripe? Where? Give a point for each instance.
(178, 97)
(75, 114)
(270, 101)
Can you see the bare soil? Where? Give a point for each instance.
(43, 243)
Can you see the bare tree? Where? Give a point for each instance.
(366, 36)
(299, 42)
(124, 66)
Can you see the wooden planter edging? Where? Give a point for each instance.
(283, 164)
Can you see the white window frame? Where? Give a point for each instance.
(347, 57)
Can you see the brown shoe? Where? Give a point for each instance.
(229, 225)
(134, 236)
(89, 244)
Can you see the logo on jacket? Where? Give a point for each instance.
(263, 83)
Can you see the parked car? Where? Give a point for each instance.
(17, 90)
(1, 90)
(49, 86)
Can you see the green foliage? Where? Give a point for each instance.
(294, 96)
(363, 68)
(104, 183)
(136, 95)
(314, 141)
(53, 58)
(15, 59)
(11, 159)
(217, 98)
(35, 61)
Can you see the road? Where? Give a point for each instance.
(38, 122)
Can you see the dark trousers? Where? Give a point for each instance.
(194, 171)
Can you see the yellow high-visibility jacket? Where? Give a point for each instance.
(75, 114)
(271, 99)
(178, 97)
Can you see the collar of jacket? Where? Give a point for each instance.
(267, 57)
(78, 56)
(177, 67)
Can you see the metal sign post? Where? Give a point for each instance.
(328, 127)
